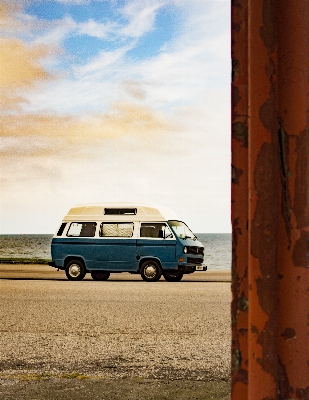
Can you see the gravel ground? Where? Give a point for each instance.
(114, 330)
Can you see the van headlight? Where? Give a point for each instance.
(185, 250)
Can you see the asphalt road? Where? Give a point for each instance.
(123, 330)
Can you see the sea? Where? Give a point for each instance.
(217, 253)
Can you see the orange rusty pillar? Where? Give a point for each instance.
(240, 199)
(270, 199)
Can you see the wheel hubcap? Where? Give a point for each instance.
(74, 270)
(150, 271)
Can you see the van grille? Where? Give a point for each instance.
(196, 261)
(195, 250)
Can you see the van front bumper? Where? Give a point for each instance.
(188, 268)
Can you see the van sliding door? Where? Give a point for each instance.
(116, 248)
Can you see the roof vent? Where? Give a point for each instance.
(120, 211)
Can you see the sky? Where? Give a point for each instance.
(114, 100)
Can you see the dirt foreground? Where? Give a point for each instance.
(112, 389)
(120, 339)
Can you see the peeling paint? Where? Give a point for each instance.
(236, 174)
(301, 206)
(236, 27)
(268, 113)
(268, 32)
(289, 333)
(235, 67)
(236, 98)
(242, 303)
(285, 172)
(264, 225)
(301, 250)
(254, 330)
(267, 340)
(236, 359)
(285, 390)
(240, 133)
(302, 394)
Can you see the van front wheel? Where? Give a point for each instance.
(151, 271)
(75, 270)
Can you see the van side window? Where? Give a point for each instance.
(82, 229)
(113, 229)
(155, 230)
(61, 229)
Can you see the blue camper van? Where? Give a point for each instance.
(120, 237)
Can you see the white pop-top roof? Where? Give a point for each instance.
(105, 212)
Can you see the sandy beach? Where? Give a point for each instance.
(41, 271)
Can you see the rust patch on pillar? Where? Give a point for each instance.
(285, 174)
(293, 262)
(289, 333)
(301, 250)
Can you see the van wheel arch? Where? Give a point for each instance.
(70, 258)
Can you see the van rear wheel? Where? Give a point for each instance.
(75, 270)
(100, 275)
(172, 276)
(151, 271)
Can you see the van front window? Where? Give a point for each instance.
(181, 230)
(155, 230)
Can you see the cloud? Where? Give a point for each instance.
(38, 135)
(19, 69)
(134, 19)
(74, 2)
(103, 61)
(141, 17)
(135, 89)
(98, 29)
(21, 62)
(53, 33)
(7, 12)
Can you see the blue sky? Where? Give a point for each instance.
(114, 101)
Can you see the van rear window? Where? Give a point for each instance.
(120, 211)
(82, 229)
(116, 229)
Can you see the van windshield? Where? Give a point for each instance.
(181, 230)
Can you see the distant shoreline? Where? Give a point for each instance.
(24, 261)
